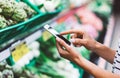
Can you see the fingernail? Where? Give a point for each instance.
(72, 40)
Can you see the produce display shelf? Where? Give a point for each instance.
(27, 31)
(28, 36)
(5, 53)
(10, 32)
(31, 35)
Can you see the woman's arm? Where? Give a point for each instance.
(80, 37)
(94, 70)
(69, 53)
(105, 52)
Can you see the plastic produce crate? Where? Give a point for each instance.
(10, 32)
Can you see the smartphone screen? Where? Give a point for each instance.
(60, 36)
(56, 34)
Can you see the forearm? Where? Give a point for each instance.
(105, 52)
(94, 70)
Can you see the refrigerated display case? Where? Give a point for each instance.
(28, 51)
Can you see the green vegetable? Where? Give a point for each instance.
(14, 12)
(0, 10)
(28, 10)
(11, 22)
(50, 71)
(1, 75)
(19, 15)
(29, 74)
(2, 2)
(101, 7)
(2, 22)
(56, 3)
(7, 9)
(7, 74)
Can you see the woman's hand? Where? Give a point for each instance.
(69, 53)
(66, 51)
(81, 38)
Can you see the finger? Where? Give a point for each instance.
(78, 41)
(81, 32)
(62, 52)
(59, 47)
(63, 44)
(74, 36)
(76, 45)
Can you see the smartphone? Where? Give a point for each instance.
(56, 34)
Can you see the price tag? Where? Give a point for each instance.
(19, 51)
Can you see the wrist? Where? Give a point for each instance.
(78, 60)
(98, 47)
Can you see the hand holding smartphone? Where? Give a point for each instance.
(56, 34)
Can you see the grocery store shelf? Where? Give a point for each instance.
(32, 34)
(5, 53)
(27, 37)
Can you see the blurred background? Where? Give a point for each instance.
(28, 51)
